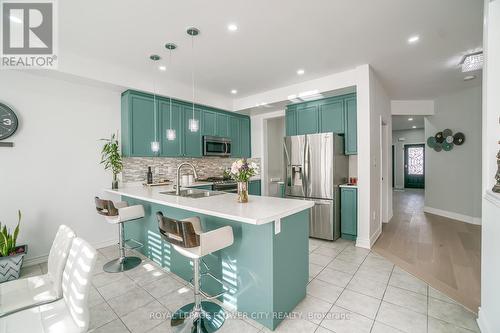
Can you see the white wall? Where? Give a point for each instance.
(410, 136)
(275, 134)
(412, 107)
(453, 179)
(53, 173)
(489, 320)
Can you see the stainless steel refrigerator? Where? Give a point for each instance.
(315, 166)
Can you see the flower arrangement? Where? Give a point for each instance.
(242, 171)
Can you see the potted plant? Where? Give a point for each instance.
(242, 171)
(112, 159)
(11, 256)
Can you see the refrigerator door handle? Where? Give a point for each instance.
(306, 168)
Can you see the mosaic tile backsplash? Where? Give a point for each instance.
(135, 168)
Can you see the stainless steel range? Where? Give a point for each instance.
(222, 184)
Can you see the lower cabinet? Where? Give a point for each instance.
(349, 213)
(254, 187)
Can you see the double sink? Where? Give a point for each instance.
(194, 193)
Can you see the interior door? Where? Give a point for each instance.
(414, 166)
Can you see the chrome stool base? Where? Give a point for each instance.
(210, 320)
(122, 265)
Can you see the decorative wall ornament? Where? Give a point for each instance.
(496, 188)
(445, 140)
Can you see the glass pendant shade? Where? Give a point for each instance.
(171, 135)
(155, 146)
(194, 125)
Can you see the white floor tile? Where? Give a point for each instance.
(323, 290)
(334, 277)
(439, 326)
(319, 259)
(313, 309)
(379, 327)
(407, 299)
(344, 266)
(367, 286)
(359, 303)
(100, 315)
(341, 320)
(116, 326)
(404, 280)
(452, 313)
(133, 299)
(402, 318)
(146, 317)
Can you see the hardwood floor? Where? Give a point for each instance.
(443, 252)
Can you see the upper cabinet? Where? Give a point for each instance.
(335, 114)
(140, 124)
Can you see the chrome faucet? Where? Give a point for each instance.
(178, 188)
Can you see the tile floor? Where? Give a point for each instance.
(350, 290)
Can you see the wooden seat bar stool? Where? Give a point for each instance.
(188, 239)
(119, 213)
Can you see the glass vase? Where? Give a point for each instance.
(114, 184)
(242, 192)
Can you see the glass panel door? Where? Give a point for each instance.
(415, 166)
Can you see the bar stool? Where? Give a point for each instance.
(188, 239)
(119, 213)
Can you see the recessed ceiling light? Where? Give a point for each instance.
(232, 27)
(300, 71)
(410, 119)
(162, 68)
(413, 39)
(414, 127)
(472, 62)
(234, 91)
(469, 77)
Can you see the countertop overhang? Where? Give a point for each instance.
(259, 210)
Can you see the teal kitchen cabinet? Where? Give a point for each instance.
(307, 120)
(222, 125)
(170, 148)
(331, 116)
(138, 124)
(208, 123)
(254, 187)
(245, 139)
(235, 135)
(192, 140)
(291, 120)
(351, 126)
(349, 212)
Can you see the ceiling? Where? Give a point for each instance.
(275, 38)
(403, 123)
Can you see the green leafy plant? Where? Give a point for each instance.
(111, 157)
(8, 240)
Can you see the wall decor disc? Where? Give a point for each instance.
(449, 139)
(447, 132)
(459, 139)
(8, 122)
(447, 146)
(431, 142)
(439, 137)
(438, 147)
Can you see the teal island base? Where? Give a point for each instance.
(265, 272)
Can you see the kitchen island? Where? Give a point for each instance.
(266, 269)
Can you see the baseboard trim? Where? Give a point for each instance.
(482, 322)
(375, 236)
(452, 215)
(43, 258)
(363, 242)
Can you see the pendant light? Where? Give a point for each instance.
(155, 145)
(194, 124)
(171, 134)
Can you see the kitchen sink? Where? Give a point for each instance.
(194, 193)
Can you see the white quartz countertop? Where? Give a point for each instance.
(349, 185)
(259, 209)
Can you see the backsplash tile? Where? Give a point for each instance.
(135, 168)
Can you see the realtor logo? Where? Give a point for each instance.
(28, 34)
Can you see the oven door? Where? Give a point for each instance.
(216, 146)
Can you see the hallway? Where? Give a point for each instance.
(443, 252)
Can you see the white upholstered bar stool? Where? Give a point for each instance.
(24, 293)
(70, 314)
(119, 213)
(188, 239)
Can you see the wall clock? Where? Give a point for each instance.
(8, 122)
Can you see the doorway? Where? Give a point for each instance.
(414, 166)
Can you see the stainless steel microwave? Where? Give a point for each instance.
(216, 146)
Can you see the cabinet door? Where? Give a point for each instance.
(307, 120)
(254, 187)
(142, 125)
(170, 118)
(245, 137)
(208, 123)
(348, 212)
(222, 125)
(235, 137)
(192, 140)
(331, 117)
(291, 121)
(351, 126)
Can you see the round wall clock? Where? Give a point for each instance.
(8, 122)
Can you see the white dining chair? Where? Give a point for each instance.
(32, 291)
(70, 314)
